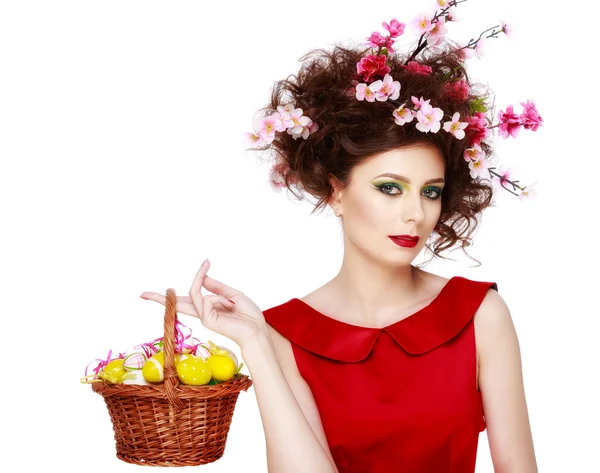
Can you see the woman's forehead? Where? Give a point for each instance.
(414, 163)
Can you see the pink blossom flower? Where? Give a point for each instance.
(474, 154)
(429, 118)
(303, 127)
(477, 129)
(505, 175)
(452, 14)
(269, 125)
(510, 123)
(388, 88)
(377, 39)
(415, 68)
(466, 53)
(395, 28)
(403, 115)
(437, 32)
(455, 126)
(364, 92)
(478, 168)
(506, 28)
(528, 192)
(480, 47)
(457, 91)
(418, 103)
(422, 23)
(372, 65)
(530, 118)
(277, 175)
(253, 139)
(285, 112)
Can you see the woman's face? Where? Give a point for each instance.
(406, 201)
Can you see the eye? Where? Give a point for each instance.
(389, 186)
(437, 192)
(432, 193)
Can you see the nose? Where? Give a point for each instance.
(413, 209)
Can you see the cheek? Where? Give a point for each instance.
(368, 212)
(434, 214)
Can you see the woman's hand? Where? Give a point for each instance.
(241, 321)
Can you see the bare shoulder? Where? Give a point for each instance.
(493, 326)
(502, 388)
(493, 316)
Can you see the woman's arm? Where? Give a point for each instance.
(294, 434)
(502, 390)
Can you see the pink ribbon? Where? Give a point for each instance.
(151, 348)
(102, 363)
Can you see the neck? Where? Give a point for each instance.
(372, 291)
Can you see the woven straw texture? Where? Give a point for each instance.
(171, 424)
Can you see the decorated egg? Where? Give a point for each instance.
(229, 353)
(189, 345)
(193, 370)
(153, 369)
(134, 361)
(221, 350)
(202, 351)
(182, 357)
(113, 371)
(222, 367)
(134, 377)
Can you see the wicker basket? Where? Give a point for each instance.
(171, 424)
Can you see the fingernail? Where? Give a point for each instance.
(144, 298)
(231, 301)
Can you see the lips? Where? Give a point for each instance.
(405, 237)
(408, 242)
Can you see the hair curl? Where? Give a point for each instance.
(351, 131)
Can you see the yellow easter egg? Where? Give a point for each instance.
(153, 369)
(229, 353)
(113, 372)
(222, 367)
(221, 350)
(193, 370)
(183, 356)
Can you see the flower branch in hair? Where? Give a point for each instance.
(432, 30)
(287, 118)
(475, 127)
(475, 46)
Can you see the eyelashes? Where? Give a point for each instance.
(436, 191)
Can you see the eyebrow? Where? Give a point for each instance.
(406, 179)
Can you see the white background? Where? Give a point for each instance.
(123, 168)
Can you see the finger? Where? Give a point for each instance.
(210, 311)
(220, 288)
(195, 292)
(197, 282)
(220, 301)
(161, 298)
(153, 296)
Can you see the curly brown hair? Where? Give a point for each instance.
(351, 131)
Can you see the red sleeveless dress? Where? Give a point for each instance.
(402, 398)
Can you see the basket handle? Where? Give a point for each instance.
(171, 381)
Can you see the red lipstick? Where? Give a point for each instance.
(405, 240)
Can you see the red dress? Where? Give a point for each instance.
(402, 398)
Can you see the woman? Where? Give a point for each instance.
(386, 367)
